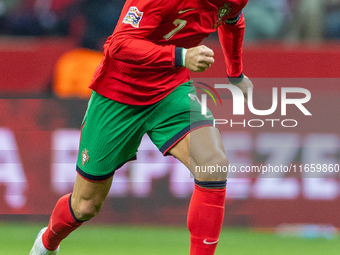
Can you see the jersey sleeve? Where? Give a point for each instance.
(231, 34)
(129, 42)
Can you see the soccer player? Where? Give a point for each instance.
(143, 86)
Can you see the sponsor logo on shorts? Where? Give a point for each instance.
(133, 17)
(84, 157)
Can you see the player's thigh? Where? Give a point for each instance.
(201, 149)
(179, 128)
(111, 134)
(175, 116)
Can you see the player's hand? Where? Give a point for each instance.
(244, 85)
(199, 59)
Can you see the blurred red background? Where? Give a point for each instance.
(39, 138)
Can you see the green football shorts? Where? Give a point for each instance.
(112, 132)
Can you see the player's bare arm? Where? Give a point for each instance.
(244, 85)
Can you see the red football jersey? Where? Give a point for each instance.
(139, 65)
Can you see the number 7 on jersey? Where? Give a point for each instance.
(180, 24)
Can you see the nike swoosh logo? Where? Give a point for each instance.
(184, 11)
(209, 243)
(52, 229)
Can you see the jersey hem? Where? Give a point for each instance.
(116, 95)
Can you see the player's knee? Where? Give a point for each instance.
(87, 209)
(215, 168)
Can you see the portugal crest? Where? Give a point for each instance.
(84, 157)
(222, 11)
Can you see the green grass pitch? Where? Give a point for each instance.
(17, 239)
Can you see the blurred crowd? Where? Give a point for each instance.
(293, 19)
(91, 21)
(88, 21)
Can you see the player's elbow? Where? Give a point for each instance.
(112, 50)
(117, 47)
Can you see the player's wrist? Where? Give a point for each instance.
(180, 54)
(184, 54)
(236, 80)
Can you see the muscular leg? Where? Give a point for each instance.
(86, 201)
(88, 197)
(203, 147)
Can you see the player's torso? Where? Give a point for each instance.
(192, 21)
(180, 23)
